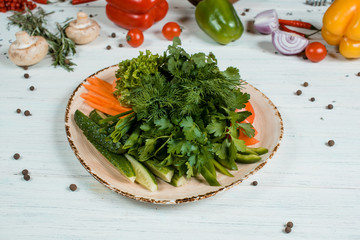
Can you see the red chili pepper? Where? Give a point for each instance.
(75, 2)
(41, 1)
(140, 14)
(284, 28)
(299, 24)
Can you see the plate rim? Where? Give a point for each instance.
(165, 201)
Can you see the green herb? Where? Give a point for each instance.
(184, 111)
(60, 46)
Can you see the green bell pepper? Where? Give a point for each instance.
(219, 20)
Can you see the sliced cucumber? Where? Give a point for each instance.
(163, 172)
(119, 161)
(178, 180)
(96, 116)
(143, 176)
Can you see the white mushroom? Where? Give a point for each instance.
(27, 50)
(82, 30)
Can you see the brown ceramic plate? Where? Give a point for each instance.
(268, 121)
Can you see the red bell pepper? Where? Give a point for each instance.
(141, 15)
(135, 6)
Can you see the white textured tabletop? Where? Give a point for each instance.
(307, 182)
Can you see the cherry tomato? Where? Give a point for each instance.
(135, 37)
(315, 51)
(171, 30)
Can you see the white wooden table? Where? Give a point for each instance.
(307, 182)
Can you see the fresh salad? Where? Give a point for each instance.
(171, 116)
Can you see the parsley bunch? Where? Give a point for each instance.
(184, 111)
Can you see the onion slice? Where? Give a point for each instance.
(266, 22)
(288, 43)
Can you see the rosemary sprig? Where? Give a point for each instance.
(60, 46)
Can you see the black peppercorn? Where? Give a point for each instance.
(73, 187)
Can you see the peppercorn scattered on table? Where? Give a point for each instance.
(307, 189)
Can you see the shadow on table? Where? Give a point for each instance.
(267, 46)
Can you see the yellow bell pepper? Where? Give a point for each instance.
(341, 26)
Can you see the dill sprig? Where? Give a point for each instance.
(177, 84)
(60, 46)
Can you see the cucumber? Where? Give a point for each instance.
(96, 116)
(163, 172)
(119, 161)
(178, 180)
(93, 131)
(143, 176)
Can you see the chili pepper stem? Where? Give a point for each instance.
(309, 35)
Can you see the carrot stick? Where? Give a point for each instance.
(104, 83)
(104, 101)
(98, 90)
(102, 108)
(100, 83)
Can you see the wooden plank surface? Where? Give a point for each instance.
(307, 182)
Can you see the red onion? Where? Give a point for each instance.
(288, 43)
(267, 21)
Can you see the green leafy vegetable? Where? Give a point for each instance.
(184, 112)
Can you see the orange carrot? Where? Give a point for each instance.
(103, 83)
(249, 140)
(102, 108)
(100, 96)
(103, 101)
(100, 83)
(101, 91)
(248, 107)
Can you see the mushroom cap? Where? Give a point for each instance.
(82, 30)
(27, 50)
